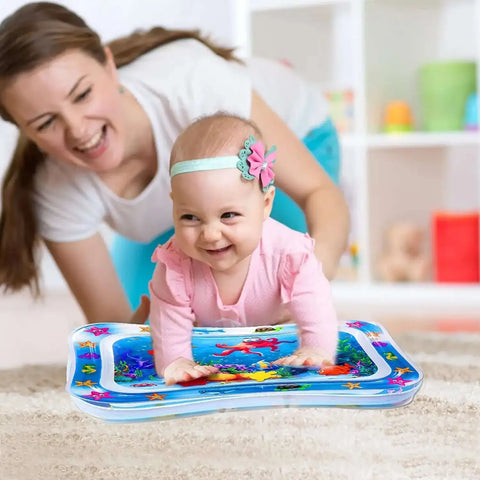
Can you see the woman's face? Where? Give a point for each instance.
(71, 108)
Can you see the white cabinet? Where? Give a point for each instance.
(376, 49)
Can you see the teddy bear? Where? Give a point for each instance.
(403, 259)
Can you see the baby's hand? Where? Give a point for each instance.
(306, 356)
(184, 370)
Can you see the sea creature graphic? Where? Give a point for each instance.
(97, 395)
(268, 329)
(89, 369)
(293, 386)
(336, 369)
(351, 385)
(86, 383)
(355, 324)
(396, 381)
(89, 355)
(261, 375)
(249, 344)
(401, 371)
(98, 331)
(262, 364)
(156, 396)
(139, 362)
(87, 344)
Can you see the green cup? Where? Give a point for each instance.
(444, 90)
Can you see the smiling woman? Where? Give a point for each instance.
(97, 124)
(78, 116)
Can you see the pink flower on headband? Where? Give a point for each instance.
(261, 164)
(255, 163)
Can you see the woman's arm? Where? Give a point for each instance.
(303, 179)
(89, 272)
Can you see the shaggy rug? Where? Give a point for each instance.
(44, 436)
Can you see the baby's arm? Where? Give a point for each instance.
(311, 306)
(171, 323)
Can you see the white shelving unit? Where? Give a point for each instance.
(375, 48)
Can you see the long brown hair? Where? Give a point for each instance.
(34, 34)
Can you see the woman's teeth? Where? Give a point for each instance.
(92, 143)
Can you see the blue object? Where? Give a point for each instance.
(132, 260)
(111, 375)
(471, 112)
(324, 145)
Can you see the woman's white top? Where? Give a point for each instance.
(175, 84)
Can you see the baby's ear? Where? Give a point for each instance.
(268, 201)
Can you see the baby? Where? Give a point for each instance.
(228, 263)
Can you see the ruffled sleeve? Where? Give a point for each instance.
(307, 295)
(292, 265)
(171, 315)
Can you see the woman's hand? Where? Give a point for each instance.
(184, 370)
(140, 315)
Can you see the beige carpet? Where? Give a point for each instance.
(43, 436)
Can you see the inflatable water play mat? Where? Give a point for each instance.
(111, 375)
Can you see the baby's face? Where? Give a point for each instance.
(218, 216)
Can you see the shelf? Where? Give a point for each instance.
(265, 5)
(423, 139)
(411, 140)
(445, 298)
(348, 140)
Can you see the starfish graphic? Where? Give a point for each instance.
(351, 385)
(86, 383)
(397, 381)
(156, 396)
(355, 324)
(401, 371)
(98, 331)
(97, 395)
(261, 376)
(87, 344)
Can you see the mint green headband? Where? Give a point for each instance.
(252, 161)
(215, 163)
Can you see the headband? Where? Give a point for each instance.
(252, 161)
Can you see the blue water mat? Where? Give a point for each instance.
(111, 372)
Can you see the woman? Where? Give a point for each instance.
(95, 144)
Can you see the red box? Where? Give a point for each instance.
(456, 247)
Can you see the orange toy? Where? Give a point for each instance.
(398, 117)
